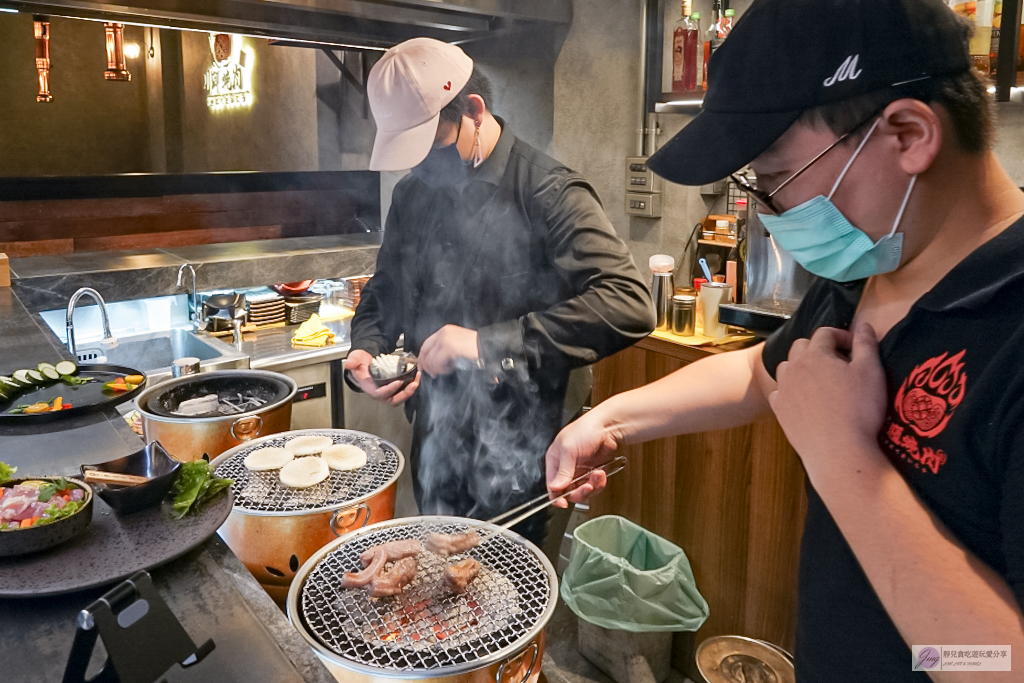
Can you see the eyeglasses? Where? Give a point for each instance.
(764, 199)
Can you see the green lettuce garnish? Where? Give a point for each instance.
(195, 486)
(50, 489)
(55, 514)
(6, 472)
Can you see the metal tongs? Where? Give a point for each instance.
(532, 507)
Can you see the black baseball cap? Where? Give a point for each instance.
(784, 57)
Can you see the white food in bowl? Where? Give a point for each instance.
(268, 458)
(302, 446)
(302, 473)
(344, 457)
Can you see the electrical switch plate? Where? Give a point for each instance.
(714, 189)
(639, 178)
(643, 204)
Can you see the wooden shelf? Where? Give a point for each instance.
(713, 243)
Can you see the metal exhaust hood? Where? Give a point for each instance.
(353, 23)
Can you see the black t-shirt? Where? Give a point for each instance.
(955, 378)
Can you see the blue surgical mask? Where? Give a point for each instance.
(823, 241)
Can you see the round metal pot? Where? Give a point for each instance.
(193, 438)
(517, 663)
(521, 667)
(273, 545)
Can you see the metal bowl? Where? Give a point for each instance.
(152, 462)
(34, 539)
(408, 365)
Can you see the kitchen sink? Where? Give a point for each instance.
(154, 352)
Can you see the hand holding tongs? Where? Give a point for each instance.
(541, 502)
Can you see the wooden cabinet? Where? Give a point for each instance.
(733, 500)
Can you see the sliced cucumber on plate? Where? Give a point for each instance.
(22, 377)
(66, 367)
(36, 377)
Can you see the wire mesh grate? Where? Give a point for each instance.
(264, 492)
(427, 626)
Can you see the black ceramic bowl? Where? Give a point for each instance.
(152, 462)
(22, 541)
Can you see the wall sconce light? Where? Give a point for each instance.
(41, 29)
(115, 53)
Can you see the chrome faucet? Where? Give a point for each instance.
(108, 339)
(193, 304)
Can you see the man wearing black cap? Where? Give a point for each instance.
(870, 138)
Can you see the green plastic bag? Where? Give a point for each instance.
(622, 576)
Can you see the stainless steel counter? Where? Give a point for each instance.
(272, 349)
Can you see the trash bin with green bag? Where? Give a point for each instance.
(623, 577)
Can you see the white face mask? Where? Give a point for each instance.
(824, 242)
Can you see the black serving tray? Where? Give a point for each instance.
(84, 398)
(112, 548)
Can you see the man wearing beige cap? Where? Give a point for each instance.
(502, 271)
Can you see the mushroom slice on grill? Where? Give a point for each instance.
(391, 581)
(393, 550)
(459, 575)
(452, 544)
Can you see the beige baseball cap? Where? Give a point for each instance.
(407, 89)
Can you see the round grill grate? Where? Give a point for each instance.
(263, 491)
(428, 627)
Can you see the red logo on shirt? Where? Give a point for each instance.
(931, 393)
(924, 405)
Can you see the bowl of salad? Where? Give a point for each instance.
(37, 513)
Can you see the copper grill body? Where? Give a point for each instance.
(41, 30)
(274, 529)
(492, 632)
(116, 70)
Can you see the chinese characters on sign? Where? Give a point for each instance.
(961, 657)
(228, 81)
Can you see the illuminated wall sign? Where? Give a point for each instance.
(228, 81)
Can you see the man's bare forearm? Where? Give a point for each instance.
(718, 392)
(933, 588)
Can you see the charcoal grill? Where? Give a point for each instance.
(273, 529)
(428, 632)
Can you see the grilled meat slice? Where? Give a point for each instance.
(363, 578)
(391, 581)
(451, 544)
(458, 576)
(393, 551)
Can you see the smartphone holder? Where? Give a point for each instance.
(142, 637)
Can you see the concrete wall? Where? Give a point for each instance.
(597, 114)
(279, 131)
(92, 126)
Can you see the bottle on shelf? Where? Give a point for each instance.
(993, 50)
(728, 17)
(684, 51)
(698, 53)
(719, 30)
(710, 36)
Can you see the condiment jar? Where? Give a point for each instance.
(712, 295)
(684, 314)
(663, 287)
